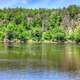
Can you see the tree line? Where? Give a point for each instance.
(40, 24)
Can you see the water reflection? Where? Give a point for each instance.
(63, 57)
(59, 61)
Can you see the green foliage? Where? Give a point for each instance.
(47, 36)
(21, 33)
(36, 34)
(11, 27)
(58, 34)
(73, 10)
(54, 21)
(70, 36)
(10, 31)
(10, 35)
(37, 24)
(1, 35)
(23, 36)
(18, 19)
(77, 34)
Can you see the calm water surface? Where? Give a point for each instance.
(39, 62)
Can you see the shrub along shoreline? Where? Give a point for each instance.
(57, 35)
(31, 42)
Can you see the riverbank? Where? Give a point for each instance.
(45, 41)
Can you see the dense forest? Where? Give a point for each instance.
(20, 24)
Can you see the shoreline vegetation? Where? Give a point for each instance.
(20, 25)
(31, 42)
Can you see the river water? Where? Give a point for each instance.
(39, 62)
